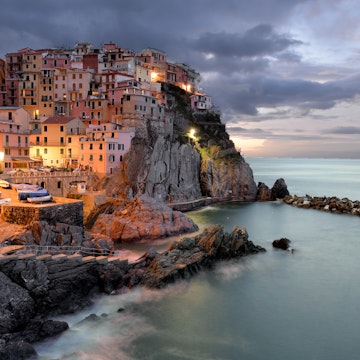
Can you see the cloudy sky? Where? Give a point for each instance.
(285, 74)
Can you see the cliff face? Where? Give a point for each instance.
(175, 166)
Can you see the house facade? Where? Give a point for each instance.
(103, 148)
(56, 142)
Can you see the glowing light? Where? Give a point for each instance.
(153, 76)
(191, 135)
(2, 156)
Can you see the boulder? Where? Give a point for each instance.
(142, 218)
(16, 305)
(19, 350)
(278, 191)
(282, 243)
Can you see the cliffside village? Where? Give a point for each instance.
(79, 108)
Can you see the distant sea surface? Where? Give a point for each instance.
(270, 306)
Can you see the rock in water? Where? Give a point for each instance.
(187, 256)
(278, 191)
(282, 243)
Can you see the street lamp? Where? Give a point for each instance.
(192, 134)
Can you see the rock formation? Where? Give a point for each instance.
(181, 166)
(282, 243)
(60, 236)
(33, 288)
(142, 218)
(325, 203)
(278, 191)
(187, 256)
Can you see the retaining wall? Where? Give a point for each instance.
(62, 211)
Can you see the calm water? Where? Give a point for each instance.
(273, 305)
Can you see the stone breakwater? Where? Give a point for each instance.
(330, 204)
(35, 287)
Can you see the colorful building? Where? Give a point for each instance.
(103, 148)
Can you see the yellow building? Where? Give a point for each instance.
(56, 142)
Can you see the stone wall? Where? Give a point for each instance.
(57, 183)
(64, 211)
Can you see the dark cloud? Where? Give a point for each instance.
(260, 40)
(246, 59)
(245, 94)
(344, 130)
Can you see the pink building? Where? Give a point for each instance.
(14, 139)
(103, 148)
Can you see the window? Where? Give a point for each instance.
(91, 158)
(82, 146)
(10, 115)
(121, 158)
(26, 152)
(45, 151)
(61, 128)
(91, 146)
(69, 140)
(61, 151)
(7, 151)
(45, 139)
(111, 158)
(61, 140)
(19, 152)
(100, 158)
(100, 146)
(45, 128)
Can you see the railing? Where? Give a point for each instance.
(48, 173)
(64, 249)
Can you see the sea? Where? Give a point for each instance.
(274, 305)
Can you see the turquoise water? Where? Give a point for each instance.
(274, 305)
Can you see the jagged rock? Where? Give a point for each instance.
(16, 305)
(282, 243)
(263, 193)
(227, 177)
(173, 171)
(187, 256)
(278, 191)
(143, 218)
(40, 329)
(19, 350)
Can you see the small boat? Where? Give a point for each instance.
(25, 194)
(39, 199)
(19, 187)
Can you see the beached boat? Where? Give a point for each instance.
(39, 199)
(19, 187)
(25, 194)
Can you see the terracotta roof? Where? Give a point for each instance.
(58, 120)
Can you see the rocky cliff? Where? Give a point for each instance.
(31, 288)
(174, 164)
